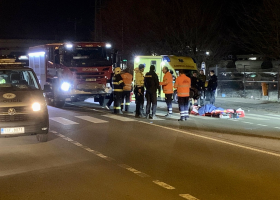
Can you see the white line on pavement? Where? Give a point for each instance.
(261, 125)
(63, 121)
(91, 119)
(216, 140)
(188, 197)
(248, 122)
(164, 185)
(256, 118)
(117, 117)
(135, 171)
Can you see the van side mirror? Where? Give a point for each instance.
(47, 88)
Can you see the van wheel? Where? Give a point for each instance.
(42, 137)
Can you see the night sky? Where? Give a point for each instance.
(46, 19)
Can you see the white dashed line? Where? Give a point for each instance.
(77, 143)
(164, 185)
(187, 196)
(277, 127)
(68, 139)
(135, 171)
(261, 125)
(248, 123)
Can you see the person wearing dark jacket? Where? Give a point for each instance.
(212, 86)
(152, 85)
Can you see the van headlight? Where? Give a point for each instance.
(36, 106)
(65, 86)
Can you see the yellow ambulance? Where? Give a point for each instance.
(174, 64)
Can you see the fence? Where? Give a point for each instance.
(248, 83)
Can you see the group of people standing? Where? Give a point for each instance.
(122, 87)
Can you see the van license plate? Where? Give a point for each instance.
(91, 79)
(14, 130)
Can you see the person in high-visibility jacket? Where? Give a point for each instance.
(118, 84)
(183, 84)
(167, 85)
(127, 79)
(139, 91)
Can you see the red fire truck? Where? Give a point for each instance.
(72, 71)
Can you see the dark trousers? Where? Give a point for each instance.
(151, 99)
(168, 100)
(139, 101)
(183, 103)
(126, 99)
(201, 99)
(111, 99)
(212, 96)
(117, 102)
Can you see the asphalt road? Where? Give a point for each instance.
(93, 154)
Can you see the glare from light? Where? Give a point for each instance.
(23, 58)
(108, 45)
(36, 106)
(69, 46)
(207, 53)
(137, 60)
(65, 86)
(36, 54)
(253, 58)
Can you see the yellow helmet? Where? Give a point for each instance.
(117, 70)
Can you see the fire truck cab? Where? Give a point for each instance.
(72, 71)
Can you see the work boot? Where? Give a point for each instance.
(154, 117)
(182, 119)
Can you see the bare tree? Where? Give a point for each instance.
(179, 27)
(260, 29)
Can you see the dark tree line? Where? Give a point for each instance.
(260, 28)
(186, 27)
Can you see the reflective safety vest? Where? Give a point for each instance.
(167, 83)
(117, 83)
(183, 84)
(127, 79)
(139, 82)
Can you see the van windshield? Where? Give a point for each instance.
(18, 79)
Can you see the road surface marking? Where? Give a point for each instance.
(204, 117)
(216, 140)
(164, 185)
(272, 115)
(76, 143)
(187, 196)
(117, 117)
(91, 119)
(261, 125)
(256, 118)
(262, 116)
(68, 139)
(277, 127)
(63, 121)
(135, 171)
(248, 122)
